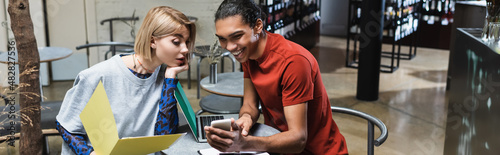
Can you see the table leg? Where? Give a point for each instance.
(198, 78)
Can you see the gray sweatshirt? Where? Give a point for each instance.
(134, 101)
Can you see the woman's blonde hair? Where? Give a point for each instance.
(161, 21)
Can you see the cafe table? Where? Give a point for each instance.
(47, 54)
(227, 94)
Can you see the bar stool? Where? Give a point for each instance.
(203, 51)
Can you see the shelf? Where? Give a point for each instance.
(288, 18)
(401, 20)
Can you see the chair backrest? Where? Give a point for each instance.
(129, 47)
(371, 122)
(124, 19)
(126, 44)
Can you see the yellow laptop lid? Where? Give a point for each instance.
(100, 125)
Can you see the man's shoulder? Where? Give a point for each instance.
(285, 47)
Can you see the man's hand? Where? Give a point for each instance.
(225, 141)
(244, 123)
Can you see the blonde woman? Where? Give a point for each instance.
(142, 101)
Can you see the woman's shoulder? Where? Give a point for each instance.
(107, 67)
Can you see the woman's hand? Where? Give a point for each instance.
(171, 72)
(92, 153)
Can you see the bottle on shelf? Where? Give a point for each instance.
(438, 11)
(451, 11)
(355, 21)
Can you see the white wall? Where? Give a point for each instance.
(67, 28)
(77, 22)
(3, 42)
(204, 10)
(3, 29)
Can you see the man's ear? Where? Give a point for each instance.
(259, 25)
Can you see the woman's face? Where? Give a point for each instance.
(173, 49)
(237, 37)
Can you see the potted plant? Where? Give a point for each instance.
(214, 56)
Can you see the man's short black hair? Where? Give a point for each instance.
(248, 10)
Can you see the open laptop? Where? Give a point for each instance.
(197, 123)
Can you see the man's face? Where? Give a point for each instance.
(238, 38)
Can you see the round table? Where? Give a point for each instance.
(227, 94)
(47, 54)
(202, 52)
(228, 84)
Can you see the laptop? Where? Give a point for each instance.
(197, 123)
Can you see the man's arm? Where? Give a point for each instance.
(249, 112)
(291, 141)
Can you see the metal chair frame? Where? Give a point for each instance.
(371, 122)
(111, 44)
(113, 49)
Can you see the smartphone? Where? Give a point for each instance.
(224, 124)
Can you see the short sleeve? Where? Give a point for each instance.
(297, 83)
(244, 66)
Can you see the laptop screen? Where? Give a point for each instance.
(186, 108)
